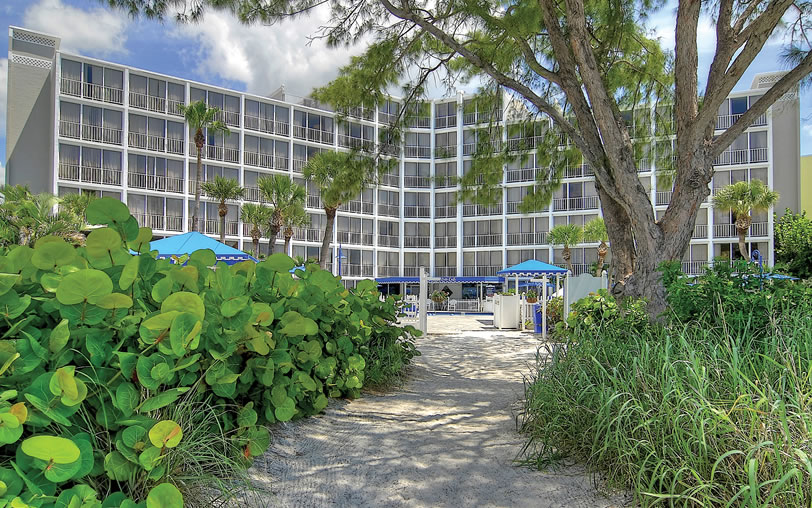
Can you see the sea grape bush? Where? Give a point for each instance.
(97, 344)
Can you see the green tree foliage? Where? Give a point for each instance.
(295, 217)
(566, 235)
(26, 217)
(340, 177)
(100, 348)
(257, 216)
(222, 190)
(743, 198)
(793, 243)
(202, 120)
(286, 197)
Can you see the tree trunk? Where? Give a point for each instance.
(255, 238)
(288, 236)
(273, 232)
(328, 236)
(742, 225)
(567, 258)
(223, 211)
(603, 250)
(199, 143)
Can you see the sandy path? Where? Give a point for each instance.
(446, 438)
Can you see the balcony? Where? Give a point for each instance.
(299, 164)
(390, 179)
(420, 182)
(355, 270)
(445, 212)
(416, 242)
(355, 143)
(349, 237)
(520, 144)
(643, 165)
(482, 240)
(388, 271)
(259, 160)
(694, 267)
(89, 174)
(148, 102)
(174, 107)
(445, 271)
(308, 234)
(445, 122)
(700, 231)
(314, 201)
(582, 171)
(159, 222)
(155, 182)
(579, 268)
(228, 117)
(445, 242)
(174, 145)
(480, 117)
(269, 125)
(513, 207)
(212, 226)
(419, 122)
(361, 113)
(663, 197)
(521, 175)
(252, 193)
(389, 210)
(469, 210)
(757, 229)
(576, 203)
(388, 241)
(101, 134)
(92, 91)
(417, 152)
(445, 181)
(413, 211)
(387, 118)
(315, 135)
(146, 141)
(744, 156)
(537, 238)
(724, 122)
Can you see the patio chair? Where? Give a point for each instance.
(452, 305)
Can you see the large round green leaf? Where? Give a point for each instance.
(10, 429)
(164, 495)
(279, 262)
(183, 301)
(206, 257)
(51, 449)
(129, 273)
(118, 467)
(7, 280)
(165, 433)
(141, 242)
(87, 285)
(52, 254)
(102, 243)
(107, 211)
(115, 301)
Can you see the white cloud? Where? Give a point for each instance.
(96, 31)
(3, 95)
(265, 57)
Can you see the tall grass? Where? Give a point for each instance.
(682, 416)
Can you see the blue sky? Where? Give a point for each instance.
(256, 59)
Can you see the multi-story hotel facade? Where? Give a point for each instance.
(77, 124)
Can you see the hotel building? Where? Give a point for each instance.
(77, 124)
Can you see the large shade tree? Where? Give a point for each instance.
(580, 63)
(202, 120)
(742, 199)
(340, 177)
(223, 190)
(284, 195)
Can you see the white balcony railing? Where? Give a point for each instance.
(726, 121)
(445, 271)
(420, 182)
(147, 141)
(155, 182)
(388, 241)
(415, 151)
(388, 271)
(314, 201)
(414, 211)
(694, 267)
(317, 135)
(70, 87)
(159, 222)
(663, 197)
(469, 210)
(99, 134)
(445, 122)
(536, 238)
(443, 212)
(521, 175)
(89, 174)
(757, 229)
(389, 210)
(700, 231)
(173, 107)
(102, 93)
(416, 241)
(576, 203)
(148, 102)
(174, 145)
(445, 242)
(482, 241)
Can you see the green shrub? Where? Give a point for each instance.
(101, 348)
(793, 243)
(589, 314)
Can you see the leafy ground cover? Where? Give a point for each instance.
(709, 409)
(130, 381)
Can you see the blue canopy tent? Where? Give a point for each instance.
(189, 242)
(534, 269)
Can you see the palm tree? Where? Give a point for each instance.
(256, 216)
(295, 217)
(201, 118)
(76, 205)
(26, 217)
(595, 231)
(283, 194)
(742, 198)
(340, 176)
(566, 235)
(223, 189)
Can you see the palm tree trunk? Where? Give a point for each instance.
(274, 231)
(288, 236)
(197, 187)
(603, 250)
(328, 236)
(743, 244)
(223, 210)
(567, 258)
(256, 246)
(743, 222)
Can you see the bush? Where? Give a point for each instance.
(102, 349)
(710, 409)
(589, 314)
(793, 243)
